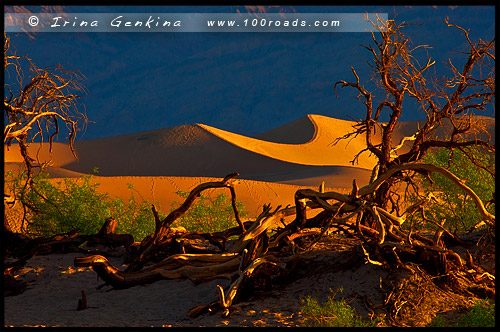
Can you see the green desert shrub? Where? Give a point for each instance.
(134, 217)
(76, 204)
(458, 209)
(481, 314)
(331, 313)
(208, 214)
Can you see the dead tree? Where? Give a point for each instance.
(398, 75)
(38, 104)
(38, 101)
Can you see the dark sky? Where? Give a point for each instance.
(242, 82)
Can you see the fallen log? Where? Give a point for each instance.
(107, 236)
(67, 242)
(12, 286)
(64, 243)
(196, 268)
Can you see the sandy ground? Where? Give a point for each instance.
(55, 285)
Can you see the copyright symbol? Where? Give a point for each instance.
(33, 21)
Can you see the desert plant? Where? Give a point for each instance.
(402, 75)
(134, 216)
(438, 321)
(457, 209)
(331, 313)
(209, 214)
(52, 209)
(76, 204)
(481, 314)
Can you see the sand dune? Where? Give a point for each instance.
(60, 155)
(199, 150)
(303, 130)
(272, 165)
(301, 147)
(194, 150)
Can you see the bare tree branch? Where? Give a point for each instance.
(49, 96)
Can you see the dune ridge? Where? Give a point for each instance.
(314, 152)
(300, 152)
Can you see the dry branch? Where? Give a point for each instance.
(120, 279)
(43, 100)
(161, 237)
(175, 214)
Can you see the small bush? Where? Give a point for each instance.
(134, 217)
(438, 321)
(481, 314)
(331, 314)
(76, 204)
(208, 214)
(457, 209)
